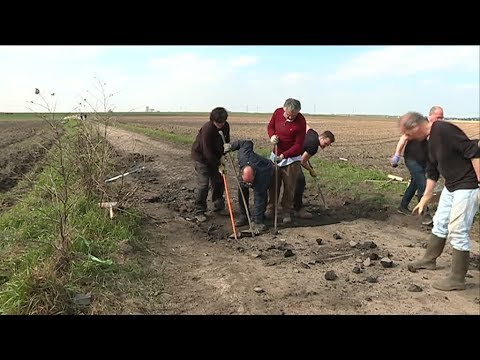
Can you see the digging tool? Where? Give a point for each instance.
(229, 206)
(137, 169)
(239, 186)
(319, 189)
(275, 231)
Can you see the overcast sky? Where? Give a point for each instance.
(388, 80)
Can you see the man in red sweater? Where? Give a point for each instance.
(286, 130)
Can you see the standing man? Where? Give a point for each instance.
(454, 156)
(207, 152)
(313, 141)
(415, 154)
(286, 130)
(256, 172)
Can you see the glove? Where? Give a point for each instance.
(395, 159)
(422, 204)
(226, 148)
(222, 170)
(274, 139)
(312, 173)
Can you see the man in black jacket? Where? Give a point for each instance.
(457, 158)
(256, 172)
(207, 152)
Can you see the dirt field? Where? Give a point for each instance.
(205, 272)
(22, 145)
(196, 269)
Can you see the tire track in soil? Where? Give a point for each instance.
(206, 273)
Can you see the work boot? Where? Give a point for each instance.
(429, 261)
(427, 219)
(404, 210)
(241, 220)
(258, 227)
(303, 214)
(456, 279)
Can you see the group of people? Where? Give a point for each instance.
(431, 149)
(451, 154)
(294, 143)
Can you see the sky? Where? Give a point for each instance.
(383, 80)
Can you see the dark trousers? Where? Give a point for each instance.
(206, 176)
(260, 197)
(418, 182)
(299, 190)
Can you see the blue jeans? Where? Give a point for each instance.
(418, 182)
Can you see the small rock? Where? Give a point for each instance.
(386, 262)
(296, 271)
(319, 241)
(373, 256)
(82, 299)
(288, 253)
(356, 269)
(368, 298)
(336, 236)
(372, 279)
(414, 288)
(258, 289)
(367, 262)
(184, 188)
(330, 275)
(467, 275)
(411, 268)
(359, 260)
(353, 244)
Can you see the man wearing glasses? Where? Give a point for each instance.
(286, 130)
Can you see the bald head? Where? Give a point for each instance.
(435, 113)
(248, 174)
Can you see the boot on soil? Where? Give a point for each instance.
(434, 250)
(241, 220)
(456, 279)
(303, 214)
(258, 227)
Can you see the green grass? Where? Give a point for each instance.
(29, 235)
(158, 134)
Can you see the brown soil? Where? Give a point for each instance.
(206, 272)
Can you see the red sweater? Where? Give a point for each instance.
(291, 134)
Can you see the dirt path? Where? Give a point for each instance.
(207, 273)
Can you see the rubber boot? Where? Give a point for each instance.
(429, 261)
(456, 279)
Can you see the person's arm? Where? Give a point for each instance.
(402, 142)
(476, 167)
(305, 161)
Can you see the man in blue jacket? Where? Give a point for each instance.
(255, 172)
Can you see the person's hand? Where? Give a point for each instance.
(422, 204)
(222, 160)
(226, 148)
(274, 139)
(394, 160)
(279, 158)
(312, 173)
(222, 169)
